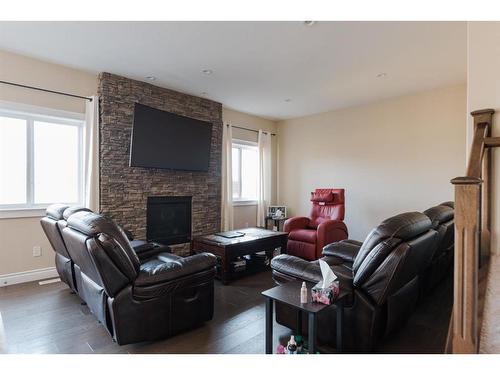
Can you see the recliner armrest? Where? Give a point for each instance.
(168, 267)
(331, 230)
(145, 249)
(354, 242)
(298, 222)
(345, 250)
(297, 268)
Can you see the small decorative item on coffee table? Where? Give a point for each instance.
(241, 254)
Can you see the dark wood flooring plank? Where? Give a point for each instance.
(48, 319)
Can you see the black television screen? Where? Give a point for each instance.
(165, 140)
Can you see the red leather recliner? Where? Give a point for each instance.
(307, 236)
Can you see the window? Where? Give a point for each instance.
(40, 158)
(245, 159)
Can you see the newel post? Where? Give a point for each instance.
(467, 243)
(472, 234)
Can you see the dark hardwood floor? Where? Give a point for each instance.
(48, 319)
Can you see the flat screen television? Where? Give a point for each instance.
(165, 140)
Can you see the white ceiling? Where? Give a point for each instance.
(257, 65)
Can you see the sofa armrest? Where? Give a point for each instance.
(354, 242)
(345, 250)
(168, 267)
(297, 268)
(298, 222)
(145, 249)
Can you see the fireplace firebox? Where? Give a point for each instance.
(168, 220)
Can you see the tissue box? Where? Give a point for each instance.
(326, 295)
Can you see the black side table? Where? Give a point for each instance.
(289, 294)
(276, 222)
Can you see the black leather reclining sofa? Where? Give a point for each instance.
(384, 275)
(135, 299)
(442, 218)
(52, 224)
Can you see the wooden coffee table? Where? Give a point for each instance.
(227, 249)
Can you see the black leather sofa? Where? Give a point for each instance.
(381, 274)
(52, 224)
(136, 299)
(442, 218)
(55, 221)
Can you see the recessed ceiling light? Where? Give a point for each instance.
(381, 75)
(288, 100)
(207, 71)
(151, 78)
(309, 23)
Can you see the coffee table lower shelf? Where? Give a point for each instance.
(234, 275)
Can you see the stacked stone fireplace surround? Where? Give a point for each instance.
(123, 189)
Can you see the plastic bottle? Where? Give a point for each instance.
(300, 343)
(303, 293)
(292, 346)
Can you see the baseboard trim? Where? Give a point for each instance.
(27, 276)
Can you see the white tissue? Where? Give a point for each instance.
(328, 276)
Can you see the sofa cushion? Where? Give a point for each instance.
(166, 267)
(439, 215)
(345, 250)
(92, 225)
(55, 211)
(300, 269)
(118, 256)
(448, 203)
(193, 285)
(73, 209)
(374, 259)
(403, 226)
(304, 235)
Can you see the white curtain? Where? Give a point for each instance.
(91, 154)
(264, 197)
(227, 178)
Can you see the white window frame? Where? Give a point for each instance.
(31, 114)
(241, 144)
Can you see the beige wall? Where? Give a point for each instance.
(483, 91)
(391, 156)
(245, 216)
(18, 236)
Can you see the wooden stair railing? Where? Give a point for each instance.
(472, 235)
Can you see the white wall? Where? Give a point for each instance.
(483, 91)
(18, 236)
(246, 216)
(392, 156)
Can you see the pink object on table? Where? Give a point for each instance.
(325, 296)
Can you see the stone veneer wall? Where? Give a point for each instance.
(123, 189)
